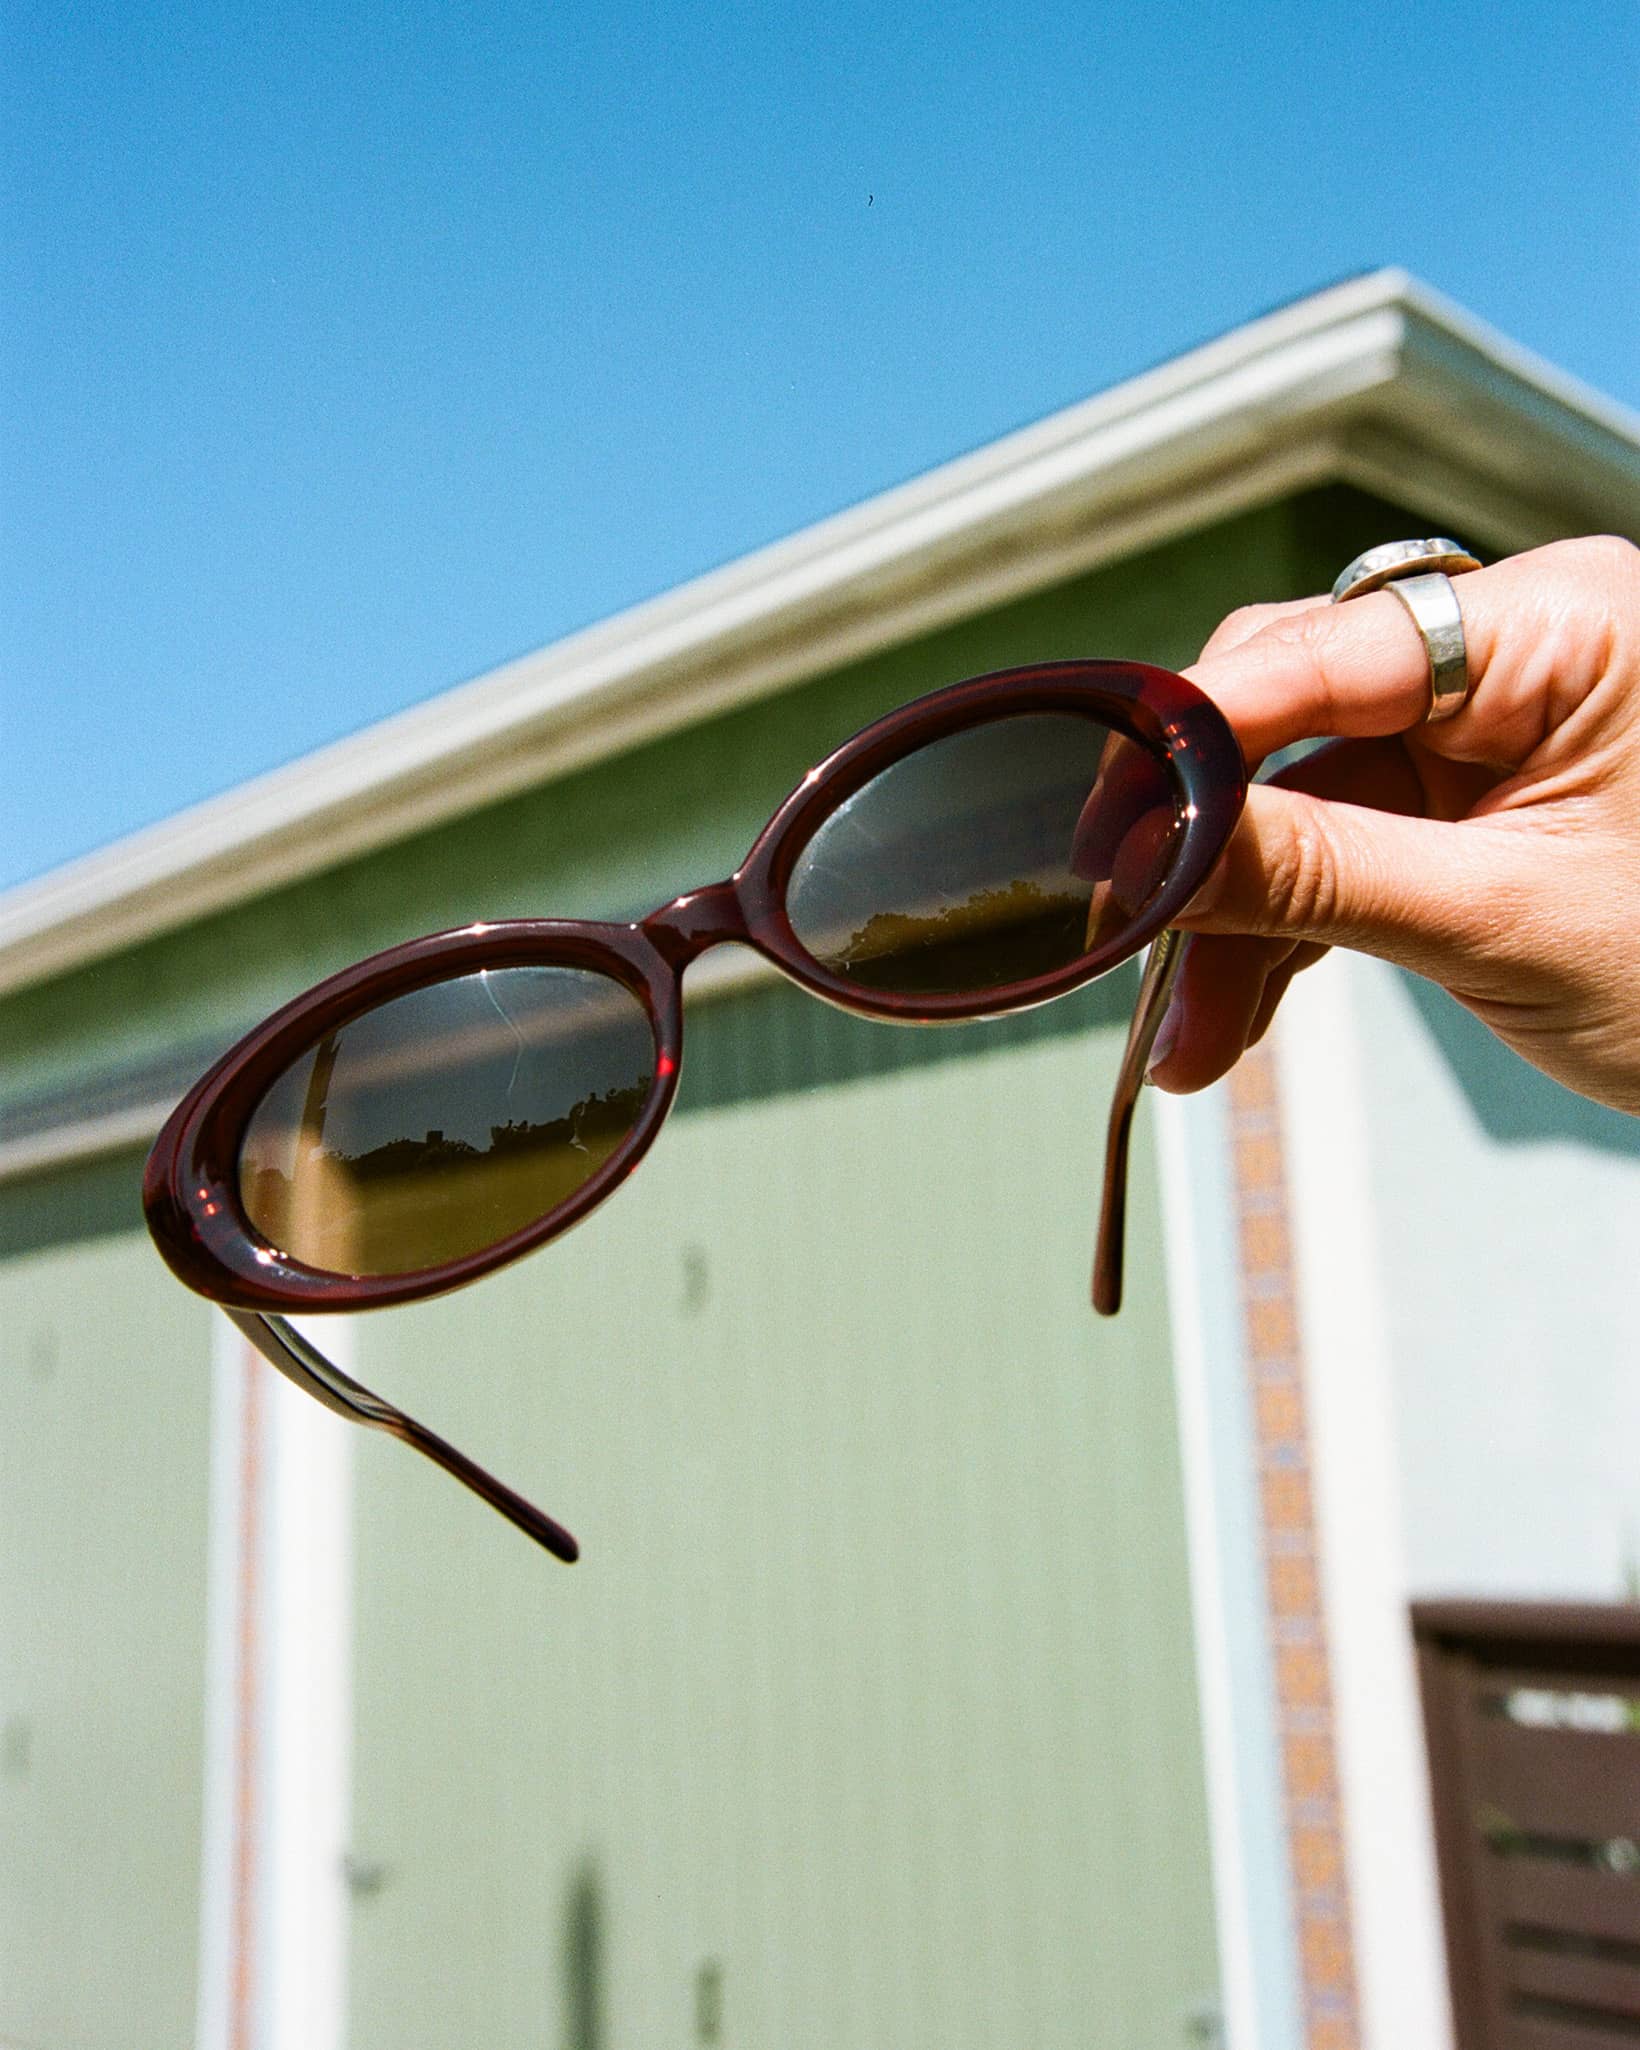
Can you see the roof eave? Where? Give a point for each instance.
(1376, 381)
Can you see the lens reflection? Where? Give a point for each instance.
(991, 857)
(439, 1124)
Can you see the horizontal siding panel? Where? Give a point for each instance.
(1557, 1782)
(1621, 1677)
(1539, 2032)
(1598, 1984)
(1544, 1893)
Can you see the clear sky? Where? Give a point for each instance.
(350, 350)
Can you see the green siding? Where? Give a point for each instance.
(874, 1689)
(104, 1420)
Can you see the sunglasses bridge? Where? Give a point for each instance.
(683, 930)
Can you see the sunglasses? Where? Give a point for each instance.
(444, 1107)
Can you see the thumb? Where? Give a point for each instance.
(1451, 901)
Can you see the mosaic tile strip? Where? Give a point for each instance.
(1298, 1634)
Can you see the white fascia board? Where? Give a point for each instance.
(1301, 395)
(1509, 450)
(85, 1139)
(726, 971)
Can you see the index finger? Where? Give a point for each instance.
(1248, 620)
(1353, 670)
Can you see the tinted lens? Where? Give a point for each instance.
(999, 854)
(441, 1123)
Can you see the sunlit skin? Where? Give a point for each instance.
(1496, 853)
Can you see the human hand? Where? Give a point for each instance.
(1496, 852)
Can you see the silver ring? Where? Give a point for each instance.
(1420, 574)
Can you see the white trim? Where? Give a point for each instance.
(1367, 379)
(85, 1139)
(1382, 1763)
(219, 1827)
(1252, 1896)
(721, 973)
(310, 1712)
(278, 1711)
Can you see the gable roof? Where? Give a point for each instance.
(1378, 382)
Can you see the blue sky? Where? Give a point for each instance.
(348, 352)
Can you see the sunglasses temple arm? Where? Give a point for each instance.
(284, 1347)
(1161, 971)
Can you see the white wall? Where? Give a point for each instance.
(1508, 1221)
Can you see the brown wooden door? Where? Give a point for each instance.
(1533, 1717)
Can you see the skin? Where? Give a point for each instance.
(1497, 852)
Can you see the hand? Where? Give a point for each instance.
(1496, 852)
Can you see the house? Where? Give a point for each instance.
(945, 1667)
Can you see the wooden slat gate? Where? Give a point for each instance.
(1533, 1717)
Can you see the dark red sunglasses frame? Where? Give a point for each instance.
(191, 1187)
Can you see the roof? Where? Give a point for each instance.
(1378, 382)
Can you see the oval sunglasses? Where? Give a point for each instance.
(446, 1106)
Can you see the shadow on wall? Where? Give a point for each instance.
(583, 1960)
(1512, 1102)
(89, 1199)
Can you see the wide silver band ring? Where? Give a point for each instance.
(1420, 574)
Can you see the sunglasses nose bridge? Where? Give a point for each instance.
(700, 919)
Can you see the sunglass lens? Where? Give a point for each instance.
(991, 857)
(438, 1124)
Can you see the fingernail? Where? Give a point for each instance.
(1167, 1037)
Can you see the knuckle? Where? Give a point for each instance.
(1590, 617)
(1303, 878)
(1616, 563)
(1606, 559)
(1312, 637)
(1613, 553)
(1236, 627)
(1306, 630)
